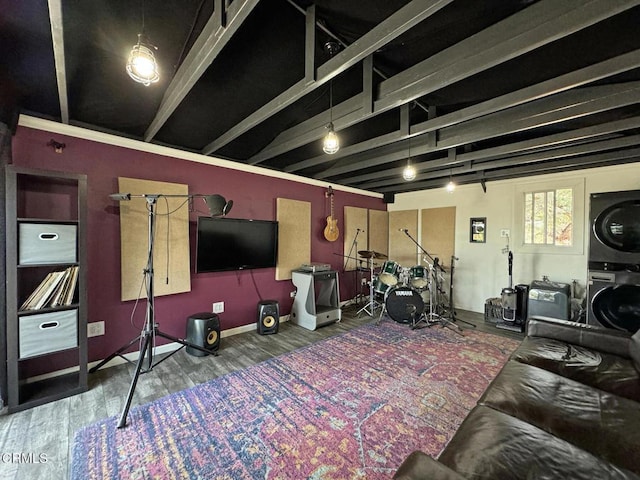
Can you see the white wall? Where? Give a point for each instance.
(482, 270)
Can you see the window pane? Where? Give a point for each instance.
(551, 206)
(528, 217)
(539, 218)
(564, 217)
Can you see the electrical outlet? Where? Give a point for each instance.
(293, 294)
(218, 307)
(505, 233)
(95, 329)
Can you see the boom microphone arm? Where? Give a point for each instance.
(435, 261)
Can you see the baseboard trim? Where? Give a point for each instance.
(160, 350)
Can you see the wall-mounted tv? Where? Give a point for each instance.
(235, 244)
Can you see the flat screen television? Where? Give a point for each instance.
(224, 244)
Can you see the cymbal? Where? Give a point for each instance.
(371, 254)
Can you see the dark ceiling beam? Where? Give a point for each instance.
(586, 134)
(541, 23)
(542, 168)
(461, 166)
(57, 38)
(310, 44)
(583, 76)
(220, 28)
(556, 109)
(395, 25)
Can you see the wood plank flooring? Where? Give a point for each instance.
(42, 437)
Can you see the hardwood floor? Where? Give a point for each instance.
(36, 443)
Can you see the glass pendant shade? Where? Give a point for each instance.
(141, 65)
(409, 173)
(331, 142)
(451, 186)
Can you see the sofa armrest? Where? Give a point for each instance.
(419, 466)
(596, 338)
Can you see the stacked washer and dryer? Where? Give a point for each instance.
(614, 260)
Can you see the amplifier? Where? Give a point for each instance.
(550, 299)
(315, 267)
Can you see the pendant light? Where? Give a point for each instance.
(409, 172)
(331, 142)
(141, 65)
(450, 186)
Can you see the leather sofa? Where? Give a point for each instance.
(565, 406)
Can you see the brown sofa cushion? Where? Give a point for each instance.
(634, 349)
(608, 372)
(420, 466)
(601, 423)
(493, 445)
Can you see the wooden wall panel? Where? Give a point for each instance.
(170, 261)
(355, 223)
(438, 233)
(401, 248)
(379, 231)
(294, 236)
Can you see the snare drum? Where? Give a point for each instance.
(389, 273)
(418, 277)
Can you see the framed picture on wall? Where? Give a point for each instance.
(478, 230)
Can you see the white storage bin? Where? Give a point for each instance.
(46, 243)
(48, 332)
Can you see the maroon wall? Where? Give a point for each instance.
(254, 197)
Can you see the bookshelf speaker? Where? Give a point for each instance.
(268, 317)
(203, 330)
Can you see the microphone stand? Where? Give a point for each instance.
(434, 289)
(452, 310)
(150, 330)
(354, 245)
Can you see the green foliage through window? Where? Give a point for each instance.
(548, 217)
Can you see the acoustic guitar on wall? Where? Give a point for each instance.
(331, 231)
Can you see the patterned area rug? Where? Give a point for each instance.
(349, 407)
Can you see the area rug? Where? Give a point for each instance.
(349, 407)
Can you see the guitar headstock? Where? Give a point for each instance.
(329, 192)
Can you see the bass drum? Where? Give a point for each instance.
(403, 304)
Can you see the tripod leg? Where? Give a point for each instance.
(115, 354)
(185, 343)
(146, 348)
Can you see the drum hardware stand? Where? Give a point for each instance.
(434, 318)
(150, 330)
(371, 305)
(358, 278)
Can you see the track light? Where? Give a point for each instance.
(141, 65)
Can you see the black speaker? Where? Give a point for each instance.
(203, 330)
(268, 317)
(389, 197)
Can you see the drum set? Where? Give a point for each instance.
(412, 295)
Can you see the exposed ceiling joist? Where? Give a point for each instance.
(568, 81)
(581, 135)
(555, 109)
(215, 35)
(57, 37)
(539, 24)
(397, 24)
(554, 166)
(460, 165)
